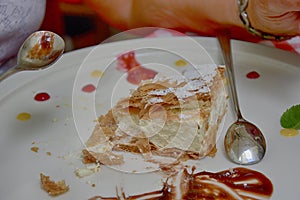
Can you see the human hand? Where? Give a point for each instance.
(278, 17)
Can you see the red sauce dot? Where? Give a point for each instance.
(89, 88)
(253, 75)
(43, 96)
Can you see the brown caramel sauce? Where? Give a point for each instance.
(228, 184)
(42, 48)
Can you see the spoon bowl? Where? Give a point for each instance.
(244, 142)
(38, 51)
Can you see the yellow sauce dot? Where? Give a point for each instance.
(289, 132)
(24, 116)
(180, 63)
(96, 73)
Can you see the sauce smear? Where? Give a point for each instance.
(253, 75)
(135, 71)
(89, 88)
(236, 183)
(180, 63)
(42, 96)
(43, 48)
(289, 132)
(96, 73)
(24, 116)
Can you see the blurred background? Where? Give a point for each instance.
(76, 23)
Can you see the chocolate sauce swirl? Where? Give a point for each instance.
(235, 183)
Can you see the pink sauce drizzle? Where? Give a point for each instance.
(135, 72)
(89, 88)
(253, 75)
(42, 96)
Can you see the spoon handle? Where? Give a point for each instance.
(8, 73)
(224, 41)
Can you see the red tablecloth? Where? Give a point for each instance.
(292, 45)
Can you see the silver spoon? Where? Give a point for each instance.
(38, 51)
(244, 142)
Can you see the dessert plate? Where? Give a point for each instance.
(46, 116)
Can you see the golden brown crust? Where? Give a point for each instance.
(53, 188)
(88, 157)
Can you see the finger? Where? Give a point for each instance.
(291, 5)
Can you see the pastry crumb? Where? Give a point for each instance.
(91, 169)
(53, 188)
(34, 149)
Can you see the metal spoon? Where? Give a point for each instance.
(38, 51)
(244, 142)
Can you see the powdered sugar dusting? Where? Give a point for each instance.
(184, 116)
(197, 80)
(154, 100)
(162, 92)
(204, 72)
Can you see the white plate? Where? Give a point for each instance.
(61, 124)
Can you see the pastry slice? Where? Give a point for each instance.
(176, 116)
